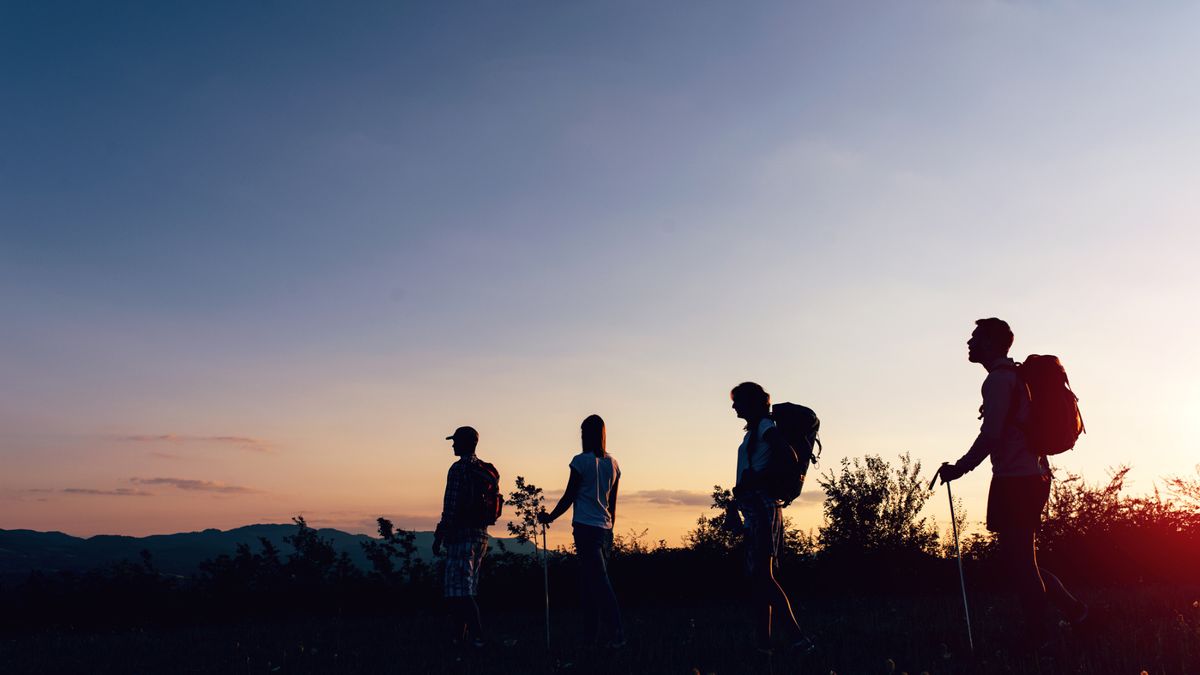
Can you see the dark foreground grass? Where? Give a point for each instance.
(1153, 630)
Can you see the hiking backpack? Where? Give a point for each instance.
(800, 430)
(484, 501)
(1054, 420)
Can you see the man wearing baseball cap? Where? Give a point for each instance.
(472, 503)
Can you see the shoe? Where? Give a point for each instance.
(804, 646)
(1081, 616)
(616, 643)
(1075, 621)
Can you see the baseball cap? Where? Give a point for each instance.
(465, 433)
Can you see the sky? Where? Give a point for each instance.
(257, 259)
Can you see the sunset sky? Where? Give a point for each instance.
(259, 259)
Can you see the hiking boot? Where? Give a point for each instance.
(804, 646)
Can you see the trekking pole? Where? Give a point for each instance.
(962, 580)
(546, 582)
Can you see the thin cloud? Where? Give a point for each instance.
(665, 497)
(164, 455)
(119, 492)
(243, 442)
(194, 485)
(810, 497)
(672, 497)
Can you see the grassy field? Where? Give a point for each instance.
(1157, 631)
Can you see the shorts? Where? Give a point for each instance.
(463, 560)
(1017, 502)
(762, 529)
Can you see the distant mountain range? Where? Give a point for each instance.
(22, 551)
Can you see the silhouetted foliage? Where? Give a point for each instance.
(875, 541)
(394, 556)
(527, 502)
(1106, 537)
(871, 507)
(711, 535)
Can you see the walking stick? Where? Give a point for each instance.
(962, 580)
(546, 583)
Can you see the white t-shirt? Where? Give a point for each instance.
(761, 454)
(599, 474)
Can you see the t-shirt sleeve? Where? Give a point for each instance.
(576, 463)
(616, 469)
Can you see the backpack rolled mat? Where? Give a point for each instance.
(484, 501)
(1055, 423)
(786, 470)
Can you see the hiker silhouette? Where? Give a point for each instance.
(1021, 480)
(469, 506)
(759, 516)
(592, 493)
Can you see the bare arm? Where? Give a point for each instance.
(612, 501)
(568, 498)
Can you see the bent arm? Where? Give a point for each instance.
(568, 497)
(997, 399)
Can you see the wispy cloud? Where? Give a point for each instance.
(119, 492)
(196, 485)
(243, 442)
(814, 496)
(672, 497)
(666, 497)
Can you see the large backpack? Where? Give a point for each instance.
(786, 470)
(483, 502)
(1054, 420)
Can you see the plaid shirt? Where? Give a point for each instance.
(458, 482)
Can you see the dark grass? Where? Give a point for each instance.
(1157, 630)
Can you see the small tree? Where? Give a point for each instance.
(711, 534)
(527, 502)
(872, 507)
(395, 545)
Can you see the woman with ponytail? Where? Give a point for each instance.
(592, 491)
(759, 516)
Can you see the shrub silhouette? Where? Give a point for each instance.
(871, 507)
(874, 541)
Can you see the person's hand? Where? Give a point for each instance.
(544, 518)
(948, 472)
(437, 545)
(733, 520)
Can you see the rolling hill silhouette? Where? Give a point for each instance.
(23, 551)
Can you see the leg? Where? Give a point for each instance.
(1068, 605)
(1017, 550)
(773, 603)
(587, 554)
(469, 611)
(458, 624)
(453, 590)
(470, 607)
(610, 611)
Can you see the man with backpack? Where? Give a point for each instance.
(472, 502)
(1028, 412)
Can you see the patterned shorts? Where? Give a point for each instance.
(762, 533)
(463, 559)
